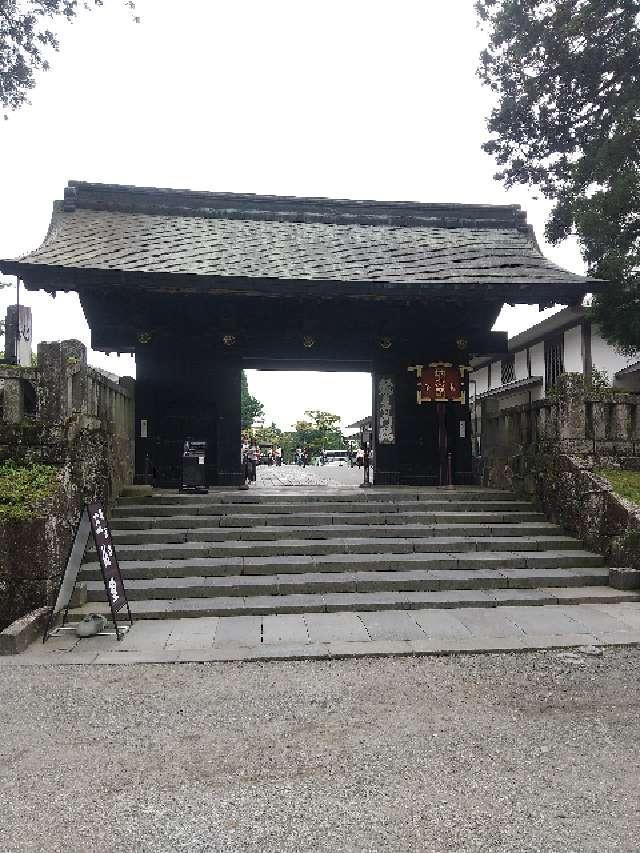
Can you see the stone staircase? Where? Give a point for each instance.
(256, 553)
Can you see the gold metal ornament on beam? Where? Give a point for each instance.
(462, 343)
(145, 338)
(229, 340)
(308, 341)
(385, 343)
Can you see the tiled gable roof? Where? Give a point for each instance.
(103, 227)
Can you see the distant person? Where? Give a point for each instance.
(253, 455)
(244, 461)
(278, 455)
(360, 457)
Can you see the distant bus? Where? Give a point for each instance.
(334, 457)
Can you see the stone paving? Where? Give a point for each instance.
(333, 476)
(329, 635)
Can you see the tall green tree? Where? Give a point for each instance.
(250, 407)
(567, 121)
(320, 432)
(27, 36)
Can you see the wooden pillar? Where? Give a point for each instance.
(226, 390)
(384, 439)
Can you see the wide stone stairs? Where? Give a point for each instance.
(257, 553)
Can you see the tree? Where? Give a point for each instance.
(250, 407)
(566, 73)
(25, 38)
(319, 433)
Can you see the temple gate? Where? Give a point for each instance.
(202, 285)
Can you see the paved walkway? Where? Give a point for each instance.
(336, 635)
(334, 476)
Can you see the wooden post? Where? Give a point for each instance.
(442, 442)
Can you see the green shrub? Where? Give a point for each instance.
(24, 489)
(625, 483)
(576, 385)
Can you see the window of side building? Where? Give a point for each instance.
(553, 360)
(507, 369)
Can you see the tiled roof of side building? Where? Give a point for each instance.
(138, 230)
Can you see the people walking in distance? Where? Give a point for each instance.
(244, 461)
(252, 458)
(278, 455)
(360, 457)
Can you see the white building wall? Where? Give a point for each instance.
(520, 364)
(573, 350)
(496, 379)
(604, 356)
(536, 356)
(482, 380)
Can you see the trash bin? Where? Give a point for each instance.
(194, 468)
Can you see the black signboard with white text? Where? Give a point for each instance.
(107, 557)
(93, 521)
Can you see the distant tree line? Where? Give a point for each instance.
(317, 432)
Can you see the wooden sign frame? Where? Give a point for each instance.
(447, 373)
(92, 522)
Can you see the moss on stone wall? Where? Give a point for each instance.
(625, 483)
(25, 489)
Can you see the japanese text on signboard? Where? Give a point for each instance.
(440, 381)
(107, 557)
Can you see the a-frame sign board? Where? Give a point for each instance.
(93, 522)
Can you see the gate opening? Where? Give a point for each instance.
(305, 427)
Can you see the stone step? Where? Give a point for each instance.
(221, 566)
(363, 601)
(320, 519)
(362, 509)
(255, 553)
(325, 582)
(156, 529)
(338, 545)
(441, 493)
(334, 531)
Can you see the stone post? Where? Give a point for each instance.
(13, 405)
(63, 386)
(18, 335)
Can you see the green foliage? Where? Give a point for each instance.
(24, 489)
(578, 385)
(319, 432)
(250, 407)
(625, 483)
(267, 435)
(25, 38)
(566, 74)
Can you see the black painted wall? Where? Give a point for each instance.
(188, 373)
(184, 394)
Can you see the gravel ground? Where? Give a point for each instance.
(528, 752)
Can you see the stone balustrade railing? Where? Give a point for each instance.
(587, 425)
(62, 387)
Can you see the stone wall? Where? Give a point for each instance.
(33, 553)
(548, 451)
(82, 422)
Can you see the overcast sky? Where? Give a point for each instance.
(373, 100)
